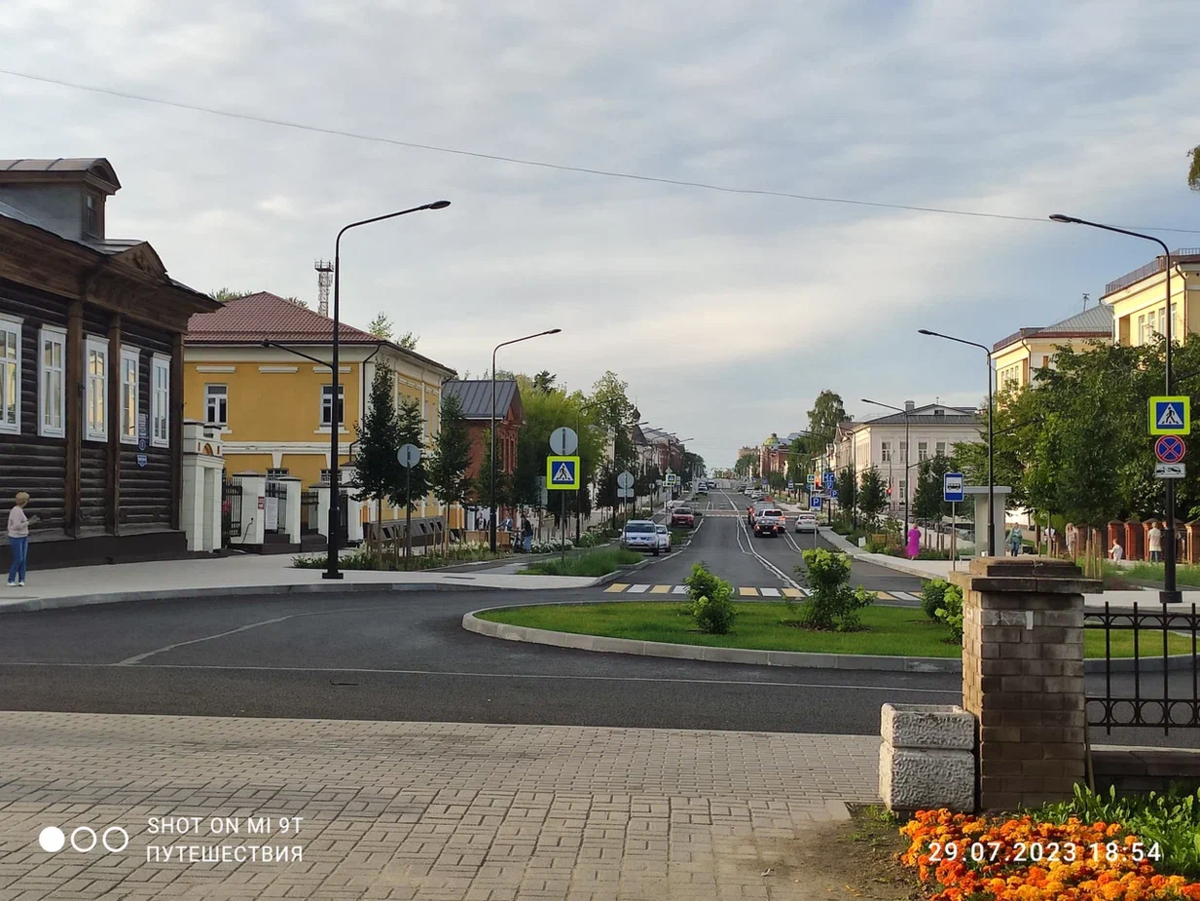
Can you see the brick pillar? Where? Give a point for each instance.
(1135, 539)
(1192, 530)
(1023, 676)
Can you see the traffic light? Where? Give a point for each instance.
(889, 490)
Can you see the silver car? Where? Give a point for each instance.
(640, 535)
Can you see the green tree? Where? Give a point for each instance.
(872, 495)
(847, 489)
(408, 341)
(378, 440)
(746, 466)
(928, 505)
(411, 484)
(1193, 176)
(827, 414)
(381, 325)
(543, 382)
(224, 295)
(451, 457)
(483, 481)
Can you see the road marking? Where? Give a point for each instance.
(617, 586)
(770, 592)
(905, 595)
(638, 589)
(748, 592)
(679, 589)
(660, 589)
(792, 593)
(884, 596)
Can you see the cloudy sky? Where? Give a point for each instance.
(725, 312)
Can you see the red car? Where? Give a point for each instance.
(683, 517)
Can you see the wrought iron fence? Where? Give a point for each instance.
(276, 507)
(1135, 701)
(231, 512)
(308, 512)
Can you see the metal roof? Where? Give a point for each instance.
(97, 167)
(1096, 319)
(956, 416)
(476, 396)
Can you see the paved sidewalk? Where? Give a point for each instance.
(239, 574)
(438, 812)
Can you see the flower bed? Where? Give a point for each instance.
(967, 858)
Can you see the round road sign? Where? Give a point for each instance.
(408, 455)
(1170, 449)
(625, 480)
(563, 441)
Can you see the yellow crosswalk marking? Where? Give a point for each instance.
(748, 592)
(792, 592)
(617, 586)
(660, 589)
(884, 596)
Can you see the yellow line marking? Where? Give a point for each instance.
(616, 586)
(660, 589)
(748, 592)
(791, 592)
(884, 596)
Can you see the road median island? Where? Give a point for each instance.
(766, 633)
(595, 563)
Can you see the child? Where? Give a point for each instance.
(18, 539)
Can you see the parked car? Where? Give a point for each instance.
(640, 535)
(806, 522)
(664, 538)
(683, 517)
(769, 521)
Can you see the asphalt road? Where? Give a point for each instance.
(404, 656)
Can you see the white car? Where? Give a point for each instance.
(806, 522)
(640, 535)
(664, 538)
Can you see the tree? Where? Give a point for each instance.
(847, 489)
(1193, 176)
(827, 414)
(407, 341)
(378, 440)
(381, 326)
(451, 457)
(872, 495)
(746, 466)
(928, 505)
(224, 295)
(543, 382)
(411, 484)
(483, 481)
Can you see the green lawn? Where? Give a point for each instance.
(592, 563)
(890, 632)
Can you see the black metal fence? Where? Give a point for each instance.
(276, 496)
(231, 512)
(309, 518)
(1159, 686)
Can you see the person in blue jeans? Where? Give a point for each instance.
(18, 539)
(526, 534)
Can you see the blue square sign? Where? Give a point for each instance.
(953, 491)
(814, 502)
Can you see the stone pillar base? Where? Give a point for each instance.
(927, 758)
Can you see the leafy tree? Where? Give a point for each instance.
(833, 604)
(847, 489)
(451, 457)
(483, 481)
(872, 494)
(378, 441)
(1193, 176)
(407, 341)
(412, 484)
(224, 295)
(823, 420)
(928, 505)
(543, 382)
(381, 325)
(746, 466)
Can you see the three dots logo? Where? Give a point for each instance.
(83, 839)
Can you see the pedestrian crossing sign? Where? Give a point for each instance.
(562, 473)
(1170, 416)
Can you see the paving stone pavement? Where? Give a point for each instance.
(429, 811)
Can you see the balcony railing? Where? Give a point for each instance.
(1157, 265)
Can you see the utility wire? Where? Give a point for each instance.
(542, 164)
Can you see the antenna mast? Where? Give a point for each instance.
(324, 279)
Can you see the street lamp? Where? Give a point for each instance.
(335, 497)
(492, 526)
(991, 530)
(907, 442)
(1170, 594)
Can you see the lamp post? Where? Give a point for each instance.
(492, 523)
(335, 497)
(991, 530)
(579, 431)
(907, 442)
(1170, 594)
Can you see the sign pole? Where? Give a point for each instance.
(562, 544)
(953, 535)
(408, 506)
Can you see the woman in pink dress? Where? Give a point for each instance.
(914, 543)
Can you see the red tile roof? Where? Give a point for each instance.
(268, 317)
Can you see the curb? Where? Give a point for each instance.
(799, 659)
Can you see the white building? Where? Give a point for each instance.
(932, 429)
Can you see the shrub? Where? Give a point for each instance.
(550, 546)
(715, 615)
(591, 563)
(932, 595)
(834, 605)
(363, 558)
(701, 582)
(951, 611)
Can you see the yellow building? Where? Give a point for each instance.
(1138, 299)
(245, 370)
(1018, 357)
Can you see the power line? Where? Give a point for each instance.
(542, 164)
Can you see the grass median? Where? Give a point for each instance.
(593, 563)
(887, 632)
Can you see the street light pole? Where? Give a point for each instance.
(579, 431)
(907, 442)
(991, 530)
(492, 436)
(335, 414)
(1171, 594)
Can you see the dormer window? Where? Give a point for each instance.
(91, 216)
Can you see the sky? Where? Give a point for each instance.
(727, 313)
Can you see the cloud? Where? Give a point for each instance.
(1013, 108)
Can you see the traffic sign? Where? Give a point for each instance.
(562, 473)
(812, 480)
(563, 441)
(1170, 470)
(1170, 415)
(672, 479)
(814, 502)
(408, 455)
(625, 479)
(833, 494)
(829, 479)
(624, 492)
(791, 485)
(952, 488)
(1169, 449)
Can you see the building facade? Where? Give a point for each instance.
(91, 370)
(1018, 357)
(475, 396)
(1138, 299)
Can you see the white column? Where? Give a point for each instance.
(192, 512)
(291, 486)
(322, 491)
(213, 468)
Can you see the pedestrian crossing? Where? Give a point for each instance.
(743, 591)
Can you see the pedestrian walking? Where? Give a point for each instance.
(1051, 543)
(18, 538)
(526, 534)
(914, 543)
(1155, 537)
(1116, 552)
(1015, 540)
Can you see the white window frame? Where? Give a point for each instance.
(885, 451)
(330, 424)
(941, 448)
(10, 325)
(49, 400)
(129, 430)
(223, 422)
(160, 401)
(922, 451)
(1141, 329)
(100, 346)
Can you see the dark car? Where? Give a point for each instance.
(769, 521)
(683, 517)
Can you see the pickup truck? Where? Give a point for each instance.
(682, 517)
(769, 521)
